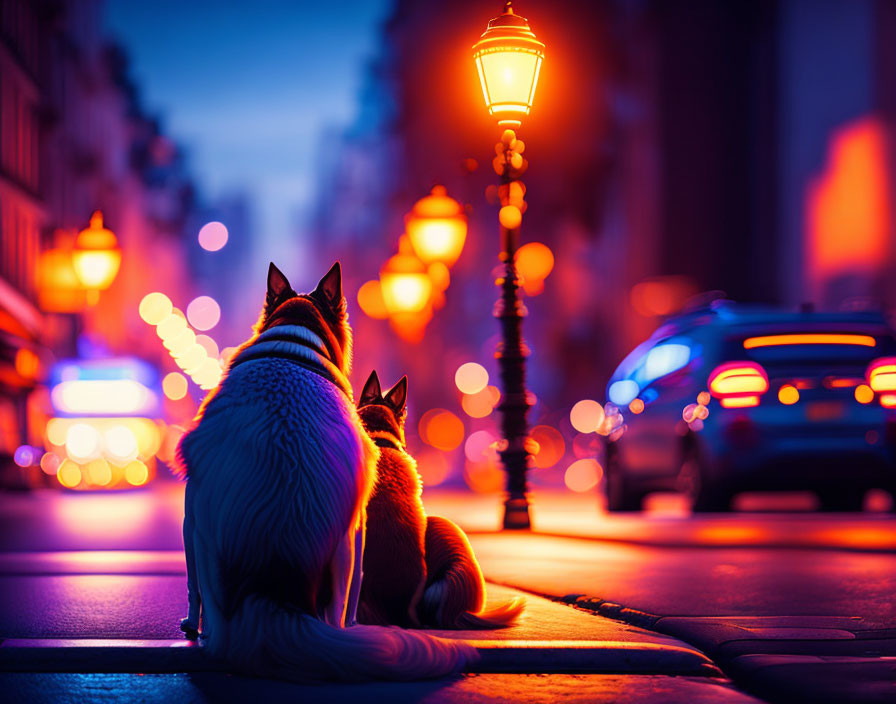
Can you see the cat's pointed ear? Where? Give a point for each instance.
(397, 396)
(371, 393)
(279, 289)
(329, 289)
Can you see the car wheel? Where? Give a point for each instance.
(705, 496)
(621, 495)
(841, 500)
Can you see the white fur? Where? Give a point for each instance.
(279, 470)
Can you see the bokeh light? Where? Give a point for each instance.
(175, 386)
(551, 446)
(441, 429)
(481, 404)
(155, 307)
(586, 416)
(203, 312)
(69, 474)
(484, 477)
(213, 236)
(433, 467)
(636, 406)
(97, 472)
(171, 325)
(136, 473)
(49, 463)
(370, 298)
(788, 395)
(534, 261)
(208, 344)
(121, 443)
(471, 378)
(82, 441)
(510, 217)
(480, 446)
(25, 455)
(703, 398)
(864, 394)
(583, 475)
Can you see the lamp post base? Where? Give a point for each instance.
(516, 514)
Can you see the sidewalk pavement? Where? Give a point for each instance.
(66, 616)
(782, 658)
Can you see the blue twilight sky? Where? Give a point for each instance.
(249, 87)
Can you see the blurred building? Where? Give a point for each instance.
(73, 139)
(675, 147)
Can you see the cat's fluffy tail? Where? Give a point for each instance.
(267, 640)
(455, 589)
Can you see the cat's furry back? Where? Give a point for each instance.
(404, 546)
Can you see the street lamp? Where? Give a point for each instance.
(96, 257)
(508, 58)
(437, 227)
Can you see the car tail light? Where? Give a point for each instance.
(738, 384)
(881, 375)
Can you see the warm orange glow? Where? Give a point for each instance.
(441, 429)
(738, 379)
(406, 287)
(508, 58)
(888, 400)
(27, 364)
(881, 374)
(583, 475)
(510, 217)
(437, 227)
(96, 256)
(808, 339)
(788, 395)
(636, 406)
(703, 398)
(550, 446)
(738, 402)
(864, 393)
(484, 477)
(370, 298)
(59, 288)
(482, 403)
(849, 212)
(175, 386)
(837, 383)
(534, 261)
(433, 467)
(471, 378)
(586, 416)
(49, 463)
(208, 344)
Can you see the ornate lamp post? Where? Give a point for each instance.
(509, 57)
(96, 257)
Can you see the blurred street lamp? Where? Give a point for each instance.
(96, 257)
(406, 287)
(437, 227)
(509, 58)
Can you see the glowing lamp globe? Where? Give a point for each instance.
(437, 227)
(406, 286)
(508, 57)
(96, 256)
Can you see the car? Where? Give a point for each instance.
(729, 398)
